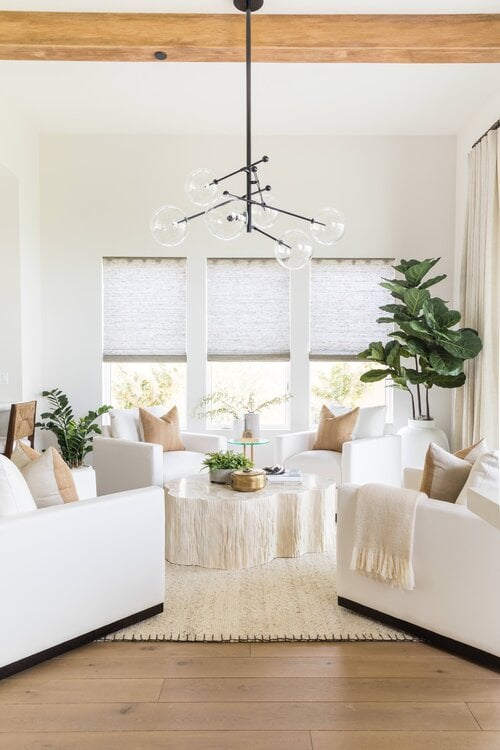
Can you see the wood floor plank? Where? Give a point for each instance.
(356, 649)
(131, 649)
(155, 666)
(487, 715)
(329, 689)
(25, 690)
(405, 740)
(158, 741)
(235, 716)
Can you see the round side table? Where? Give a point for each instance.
(248, 442)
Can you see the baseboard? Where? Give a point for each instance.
(81, 640)
(434, 639)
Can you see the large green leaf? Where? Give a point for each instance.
(415, 377)
(372, 376)
(416, 272)
(392, 354)
(444, 364)
(385, 320)
(414, 299)
(396, 288)
(438, 315)
(463, 344)
(405, 264)
(449, 381)
(416, 346)
(431, 282)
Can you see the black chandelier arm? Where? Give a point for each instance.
(271, 237)
(288, 213)
(264, 160)
(248, 66)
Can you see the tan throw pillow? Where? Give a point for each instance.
(333, 431)
(49, 478)
(23, 454)
(164, 430)
(444, 474)
(473, 452)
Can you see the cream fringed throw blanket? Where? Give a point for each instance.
(383, 534)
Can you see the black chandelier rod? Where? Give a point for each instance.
(248, 14)
(242, 169)
(271, 237)
(273, 208)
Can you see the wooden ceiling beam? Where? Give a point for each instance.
(135, 37)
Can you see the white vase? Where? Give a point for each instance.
(415, 439)
(238, 427)
(252, 423)
(85, 482)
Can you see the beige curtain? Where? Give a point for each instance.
(477, 402)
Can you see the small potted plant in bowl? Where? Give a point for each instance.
(221, 465)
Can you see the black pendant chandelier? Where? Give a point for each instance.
(229, 214)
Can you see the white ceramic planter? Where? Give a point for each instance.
(252, 423)
(85, 482)
(415, 439)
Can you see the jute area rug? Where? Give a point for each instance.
(288, 599)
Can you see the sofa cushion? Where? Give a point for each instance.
(327, 464)
(444, 474)
(483, 477)
(371, 421)
(164, 430)
(178, 464)
(333, 431)
(49, 478)
(15, 496)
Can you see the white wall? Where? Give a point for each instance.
(20, 332)
(98, 193)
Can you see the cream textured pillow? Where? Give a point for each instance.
(15, 496)
(49, 478)
(164, 430)
(333, 431)
(484, 477)
(472, 453)
(444, 474)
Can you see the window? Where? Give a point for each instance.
(345, 302)
(144, 331)
(248, 329)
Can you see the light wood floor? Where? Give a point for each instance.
(352, 696)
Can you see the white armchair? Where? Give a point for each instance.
(361, 461)
(128, 464)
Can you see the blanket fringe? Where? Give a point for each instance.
(381, 566)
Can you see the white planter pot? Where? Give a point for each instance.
(238, 427)
(84, 477)
(415, 439)
(252, 423)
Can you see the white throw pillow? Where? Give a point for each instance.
(15, 496)
(126, 425)
(371, 422)
(483, 477)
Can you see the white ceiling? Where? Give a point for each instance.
(288, 98)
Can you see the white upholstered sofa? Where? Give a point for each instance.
(456, 559)
(123, 461)
(73, 572)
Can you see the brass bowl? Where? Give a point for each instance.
(248, 480)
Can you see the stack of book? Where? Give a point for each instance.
(290, 476)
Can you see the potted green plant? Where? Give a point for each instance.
(74, 436)
(425, 350)
(221, 465)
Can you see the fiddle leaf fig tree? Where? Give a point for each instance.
(425, 349)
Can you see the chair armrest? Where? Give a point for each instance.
(79, 566)
(199, 442)
(412, 478)
(288, 445)
(126, 464)
(372, 460)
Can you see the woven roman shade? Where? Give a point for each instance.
(144, 309)
(345, 301)
(248, 313)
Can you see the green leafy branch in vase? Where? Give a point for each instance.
(223, 402)
(426, 349)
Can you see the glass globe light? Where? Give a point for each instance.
(200, 187)
(265, 217)
(169, 226)
(294, 250)
(330, 228)
(227, 220)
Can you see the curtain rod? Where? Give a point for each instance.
(495, 126)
